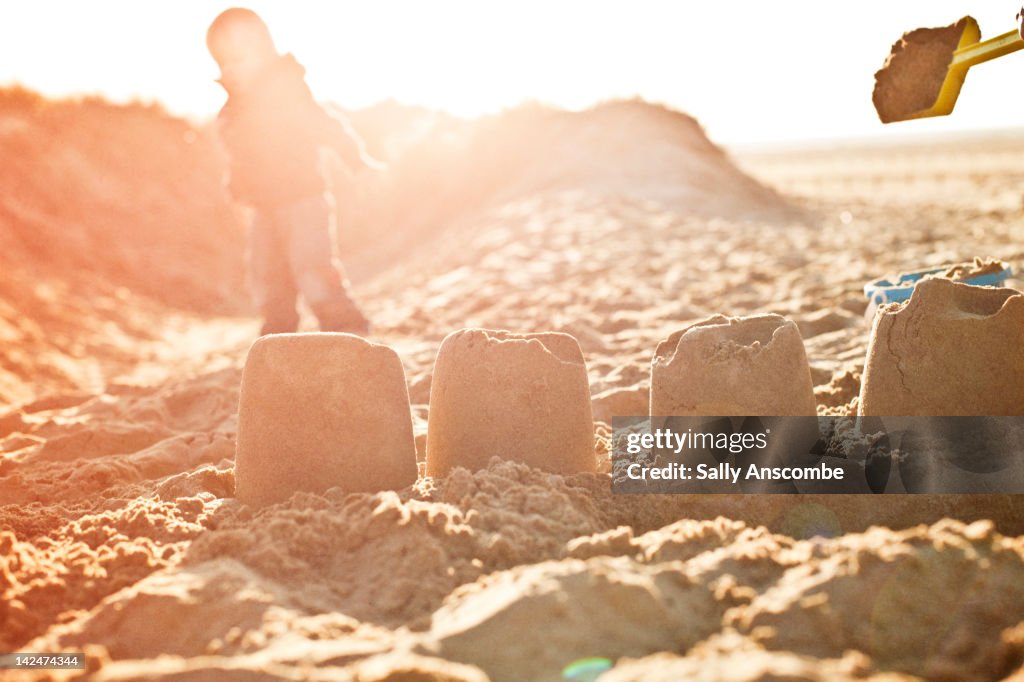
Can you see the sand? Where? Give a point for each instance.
(318, 411)
(120, 532)
(952, 349)
(913, 73)
(940, 454)
(733, 366)
(975, 268)
(522, 397)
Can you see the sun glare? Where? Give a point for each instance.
(748, 71)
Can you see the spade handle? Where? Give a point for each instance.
(976, 53)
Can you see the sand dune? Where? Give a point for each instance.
(114, 234)
(120, 534)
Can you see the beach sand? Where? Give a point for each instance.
(120, 535)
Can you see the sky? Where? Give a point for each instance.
(751, 72)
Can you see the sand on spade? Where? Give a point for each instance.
(913, 73)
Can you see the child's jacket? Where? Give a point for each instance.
(273, 132)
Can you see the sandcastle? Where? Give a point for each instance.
(952, 349)
(318, 411)
(735, 367)
(725, 366)
(523, 397)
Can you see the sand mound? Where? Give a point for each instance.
(69, 571)
(444, 172)
(140, 202)
(733, 658)
(655, 152)
(610, 607)
(913, 621)
(763, 587)
(505, 552)
(108, 215)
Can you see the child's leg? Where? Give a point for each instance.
(317, 272)
(273, 286)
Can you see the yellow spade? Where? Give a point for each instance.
(922, 76)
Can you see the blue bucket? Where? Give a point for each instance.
(883, 291)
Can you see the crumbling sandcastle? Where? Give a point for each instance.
(725, 366)
(735, 367)
(523, 397)
(318, 411)
(952, 349)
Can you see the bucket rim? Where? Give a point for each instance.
(883, 290)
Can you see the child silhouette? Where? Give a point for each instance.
(274, 133)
